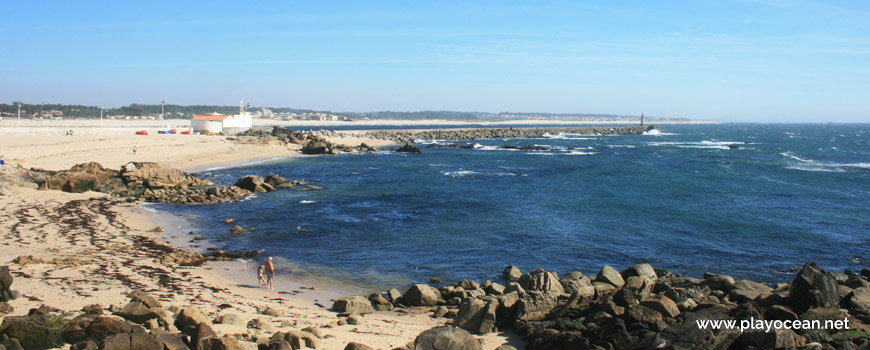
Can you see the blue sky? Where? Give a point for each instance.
(721, 60)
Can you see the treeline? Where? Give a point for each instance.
(445, 115)
(134, 109)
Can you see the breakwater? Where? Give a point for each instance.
(500, 133)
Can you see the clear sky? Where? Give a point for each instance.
(762, 60)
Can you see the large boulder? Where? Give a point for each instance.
(534, 305)
(640, 270)
(137, 312)
(611, 276)
(82, 178)
(745, 290)
(153, 175)
(541, 280)
(254, 183)
(421, 295)
(31, 332)
(135, 340)
(813, 287)
(353, 305)
(223, 343)
(662, 304)
(5, 284)
(297, 339)
(191, 316)
(477, 316)
(409, 148)
(511, 274)
(318, 147)
(357, 346)
(859, 298)
(442, 338)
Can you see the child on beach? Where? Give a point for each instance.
(262, 280)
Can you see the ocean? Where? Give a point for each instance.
(754, 201)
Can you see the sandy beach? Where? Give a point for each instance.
(93, 249)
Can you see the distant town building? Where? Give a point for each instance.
(216, 123)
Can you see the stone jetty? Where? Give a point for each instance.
(467, 134)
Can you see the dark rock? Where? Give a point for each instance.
(255, 184)
(421, 295)
(85, 345)
(642, 314)
(780, 312)
(776, 339)
(126, 341)
(813, 287)
(5, 308)
(102, 327)
(298, 339)
(357, 346)
(719, 282)
(452, 338)
(319, 147)
(76, 330)
(279, 344)
(859, 298)
(395, 295)
(171, 341)
(409, 148)
(190, 316)
(5, 284)
(137, 312)
(223, 343)
(201, 332)
(379, 303)
(611, 276)
(30, 331)
(477, 316)
(353, 305)
(534, 305)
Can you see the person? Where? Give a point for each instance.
(270, 273)
(134, 150)
(261, 280)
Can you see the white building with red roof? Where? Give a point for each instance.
(226, 123)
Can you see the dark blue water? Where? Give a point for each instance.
(682, 201)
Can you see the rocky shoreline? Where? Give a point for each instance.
(155, 183)
(639, 307)
(642, 307)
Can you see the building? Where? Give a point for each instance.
(217, 123)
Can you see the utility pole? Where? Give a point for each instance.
(19, 115)
(101, 116)
(162, 103)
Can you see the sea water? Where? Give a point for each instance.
(754, 201)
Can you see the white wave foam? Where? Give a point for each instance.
(565, 136)
(459, 173)
(656, 132)
(580, 153)
(621, 146)
(703, 144)
(306, 202)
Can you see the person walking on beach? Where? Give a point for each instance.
(134, 150)
(261, 280)
(270, 273)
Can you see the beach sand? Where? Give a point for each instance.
(96, 249)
